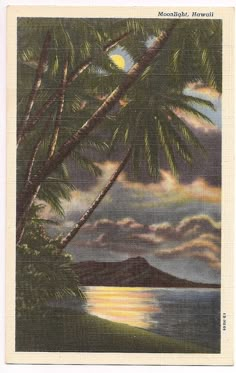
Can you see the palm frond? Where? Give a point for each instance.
(85, 163)
(186, 132)
(192, 111)
(45, 221)
(136, 159)
(180, 145)
(93, 143)
(48, 196)
(167, 146)
(53, 191)
(152, 150)
(188, 99)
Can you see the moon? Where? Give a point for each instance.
(118, 60)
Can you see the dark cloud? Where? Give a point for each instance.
(199, 248)
(146, 203)
(189, 227)
(196, 237)
(207, 166)
(125, 235)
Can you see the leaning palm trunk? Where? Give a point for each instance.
(42, 66)
(35, 151)
(36, 117)
(53, 143)
(25, 200)
(66, 240)
(31, 163)
(29, 126)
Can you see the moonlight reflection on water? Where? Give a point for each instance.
(189, 314)
(133, 306)
(185, 314)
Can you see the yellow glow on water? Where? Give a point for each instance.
(118, 294)
(116, 290)
(118, 60)
(133, 306)
(118, 300)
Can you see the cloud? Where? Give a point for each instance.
(207, 93)
(193, 121)
(199, 248)
(209, 257)
(203, 90)
(169, 190)
(165, 230)
(189, 227)
(138, 196)
(195, 225)
(190, 246)
(196, 237)
(124, 235)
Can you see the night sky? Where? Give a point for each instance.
(174, 224)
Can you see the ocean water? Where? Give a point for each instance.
(184, 314)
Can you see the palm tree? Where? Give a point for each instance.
(26, 198)
(41, 68)
(83, 40)
(40, 98)
(148, 133)
(172, 52)
(155, 128)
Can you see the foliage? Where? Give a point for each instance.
(164, 79)
(42, 272)
(157, 134)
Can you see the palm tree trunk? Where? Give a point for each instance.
(31, 161)
(114, 42)
(27, 197)
(30, 166)
(35, 151)
(65, 241)
(72, 77)
(21, 219)
(53, 143)
(42, 65)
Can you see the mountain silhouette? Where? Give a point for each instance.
(133, 272)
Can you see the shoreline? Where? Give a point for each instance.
(66, 330)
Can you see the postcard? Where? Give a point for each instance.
(120, 185)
